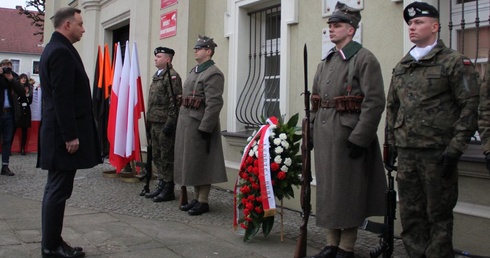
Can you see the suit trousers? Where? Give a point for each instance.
(59, 187)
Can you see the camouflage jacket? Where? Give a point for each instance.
(484, 111)
(162, 106)
(433, 102)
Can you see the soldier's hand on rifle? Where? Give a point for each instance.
(487, 158)
(449, 165)
(391, 158)
(207, 137)
(355, 151)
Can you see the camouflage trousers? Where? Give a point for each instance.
(163, 152)
(426, 203)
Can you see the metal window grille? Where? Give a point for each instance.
(260, 95)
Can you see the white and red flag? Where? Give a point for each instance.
(125, 110)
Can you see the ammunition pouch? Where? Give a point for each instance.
(342, 104)
(348, 103)
(192, 102)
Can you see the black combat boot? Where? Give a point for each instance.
(327, 252)
(161, 185)
(167, 193)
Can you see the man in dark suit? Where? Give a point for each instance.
(68, 137)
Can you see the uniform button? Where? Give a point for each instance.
(328, 82)
(324, 122)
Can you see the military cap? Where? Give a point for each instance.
(419, 9)
(205, 42)
(346, 14)
(164, 50)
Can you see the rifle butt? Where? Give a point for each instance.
(300, 250)
(183, 196)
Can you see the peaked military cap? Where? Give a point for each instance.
(164, 50)
(205, 42)
(419, 9)
(346, 14)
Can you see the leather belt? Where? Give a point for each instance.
(6, 110)
(327, 103)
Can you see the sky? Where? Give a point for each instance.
(12, 3)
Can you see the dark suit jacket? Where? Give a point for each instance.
(66, 109)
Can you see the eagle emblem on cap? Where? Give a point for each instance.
(411, 11)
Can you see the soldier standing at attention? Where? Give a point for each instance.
(431, 115)
(199, 159)
(348, 100)
(163, 111)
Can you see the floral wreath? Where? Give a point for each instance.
(270, 166)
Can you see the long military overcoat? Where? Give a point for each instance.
(192, 164)
(348, 190)
(67, 109)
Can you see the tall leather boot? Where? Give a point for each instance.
(167, 194)
(158, 190)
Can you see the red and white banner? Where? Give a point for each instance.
(168, 24)
(167, 3)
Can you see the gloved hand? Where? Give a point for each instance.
(168, 130)
(487, 158)
(449, 165)
(390, 160)
(355, 151)
(207, 137)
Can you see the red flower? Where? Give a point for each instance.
(250, 198)
(246, 212)
(243, 226)
(249, 160)
(250, 169)
(281, 175)
(255, 171)
(255, 186)
(245, 189)
(258, 199)
(274, 166)
(256, 163)
(249, 206)
(258, 210)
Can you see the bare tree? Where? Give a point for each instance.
(37, 16)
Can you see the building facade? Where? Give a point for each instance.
(260, 51)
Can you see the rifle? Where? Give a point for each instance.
(386, 230)
(147, 167)
(183, 189)
(306, 147)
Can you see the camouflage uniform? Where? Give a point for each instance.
(484, 113)
(431, 110)
(162, 113)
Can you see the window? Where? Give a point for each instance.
(15, 65)
(35, 67)
(261, 87)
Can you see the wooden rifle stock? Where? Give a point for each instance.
(306, 147)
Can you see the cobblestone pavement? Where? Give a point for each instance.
(94, 191)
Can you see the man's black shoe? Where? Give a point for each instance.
(188, 206)
(199, 208)
(67, 245)
(344, 254)
(6, 171)
(62, 251)
(327, 252)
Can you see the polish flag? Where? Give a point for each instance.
(135, 108)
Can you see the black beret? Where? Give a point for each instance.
(346, 14)
(419, 9)
(205, 42)
(164, 50)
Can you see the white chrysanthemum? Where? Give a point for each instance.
(249, 139)
(251, 153)
(278, 159)
(255, 148)
(277, 141)
(285, 144)
(278, 150)
(284, 168)
(288, 162)
(273, 126)
(283, 136)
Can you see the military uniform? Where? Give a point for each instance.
(163, 110)
(348, 165)
(484, 115)
(431, 115)
(199, 159)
